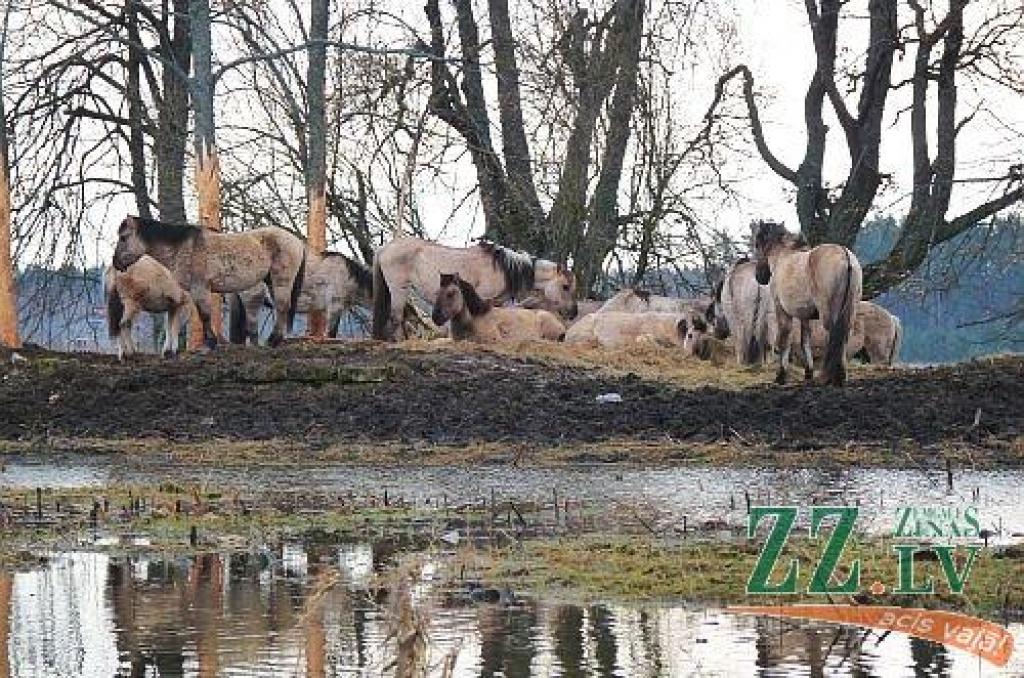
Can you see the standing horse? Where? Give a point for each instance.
(145, 286)
(741, 308)
(474, 319)
(631, 300)
(822, 282)
(333, 284)
(205, 261)
(492, 270)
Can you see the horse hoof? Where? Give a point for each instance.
(211, 344)
(780, 377)
(808, 375)
(275, 340)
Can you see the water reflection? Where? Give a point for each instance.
(91, 614)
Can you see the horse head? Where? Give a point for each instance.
(714, 315)
(454, 297)
(694, 332)
(560, 292)
(130, 246)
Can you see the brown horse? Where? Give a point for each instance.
(474, 319)
(808, 283)
(146, 286)
(494, 272)
(205, 261)
(333, 284)
(632, 300)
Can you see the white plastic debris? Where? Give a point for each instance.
(609, 398)
(18, 358)
(450, 537)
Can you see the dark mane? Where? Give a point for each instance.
(358, 272)
(474, 303)
(152, 230)
(517, 267)
(769, 234)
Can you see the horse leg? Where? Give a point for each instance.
(785, 322)
(172, 329)
(252, 319)
(201, 298)
(805, 347)
(399, 298)
(125, 341)
(282, 304)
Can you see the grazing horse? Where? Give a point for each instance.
(474, 319)
(619, 329)
(205, 261)
(631, 300)
(145, 286)
(740, 309)
(333, 284)
(495, 272)
(822, 282)
(883, 333)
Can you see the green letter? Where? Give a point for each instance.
(956, 581)
(834, 549)
(906, 555)
(784, 517)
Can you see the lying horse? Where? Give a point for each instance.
(205, 261)
(333, 284)
(618, 329)
(494, 272)
(740, 309)
(807, 283)
(145, 286)
(631, 300)
(474, 319)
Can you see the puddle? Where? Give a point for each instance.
(665, 495)
(91, 614)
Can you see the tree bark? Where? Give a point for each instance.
(136, 135)
(316, 169)
(172, 117)
(604, 210)
(205, 146)
(8, 292)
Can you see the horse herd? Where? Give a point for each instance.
(790, 296)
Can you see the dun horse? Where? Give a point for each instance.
(494, 272)
(206, 261)
(631, 300)
(474, 319)
(740, 310)
(883, 333)
(806, 283)
(333, 284)
(145, 286)
(619, 329)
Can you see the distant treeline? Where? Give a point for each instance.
(964, 283)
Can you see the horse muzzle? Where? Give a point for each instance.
(438, 317)
(762, 273)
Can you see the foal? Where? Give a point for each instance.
(474, 319)
(145, 286)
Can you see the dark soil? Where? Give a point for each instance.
(322, 394)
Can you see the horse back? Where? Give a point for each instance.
(413, 262)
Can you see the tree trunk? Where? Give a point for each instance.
(136, 136)
(604, 212)
(316, 644)
(172, 122)
(316, 169)
(205, 146)
(8, 293)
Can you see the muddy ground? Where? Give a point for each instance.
(368, 393)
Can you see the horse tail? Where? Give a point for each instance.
(754, 352)
(381, 302)
(115, 312)
(296, 291)
(834, 366)
(897, 340)
(237, 329)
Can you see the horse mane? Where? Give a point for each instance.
(474, 303)
(152, 230)
(771, 233)
(518, 268)
(357, 271)
(642, 295)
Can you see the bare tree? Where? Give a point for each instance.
(8, 295)
(316, 169)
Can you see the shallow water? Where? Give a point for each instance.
(91, 614)
(664, 495)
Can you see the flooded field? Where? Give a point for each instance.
(266, 613)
